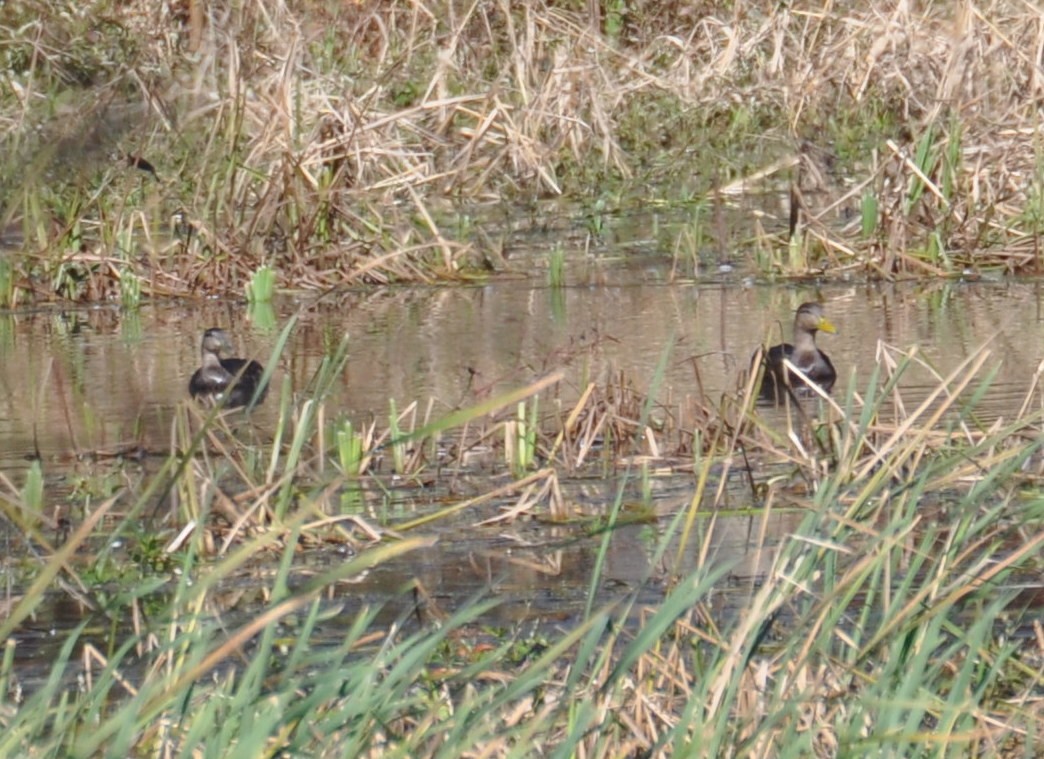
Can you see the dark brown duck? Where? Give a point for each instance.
(230, 382)
(804, 354)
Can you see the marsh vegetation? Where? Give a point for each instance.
(270, 150)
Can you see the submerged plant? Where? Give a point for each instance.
(924, 161)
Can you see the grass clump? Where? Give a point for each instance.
(261, 287)
(350, 450)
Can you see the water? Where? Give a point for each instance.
(96, 380)
(80, 385)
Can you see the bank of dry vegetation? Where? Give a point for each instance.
(174, 148)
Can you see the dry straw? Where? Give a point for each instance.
(328, 148)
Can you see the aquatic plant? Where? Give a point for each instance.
(881, 610)
(8, 288)
(520, 436)
(868, 214)
(130, 290)
(261, 286)
(351, 447)
(556, 260)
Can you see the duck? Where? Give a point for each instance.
(804, 354)
(229, 382)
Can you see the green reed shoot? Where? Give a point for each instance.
(304, 432)
(33, 491)
(868, 213)
(1033, 211)
(398, 444)
(130, 288)
(350, 451)
(797, 261)
(520, 438)
(261, 286)
(924, 159)
(596, 218)
(7, 672)
(692, 238)
(8, 289)
(556, 266)
(936, 250)
(615, 12)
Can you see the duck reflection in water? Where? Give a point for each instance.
(228, 382)
(804, 354)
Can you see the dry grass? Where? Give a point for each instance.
(352, 144)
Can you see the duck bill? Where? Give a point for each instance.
(825, 325)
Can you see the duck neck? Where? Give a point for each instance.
(211, 360)
(804, 343)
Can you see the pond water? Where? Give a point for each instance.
(98, 379)
(82, 382)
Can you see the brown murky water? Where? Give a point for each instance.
(95, 380)
(77, 381)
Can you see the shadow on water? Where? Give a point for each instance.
(92, 394)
